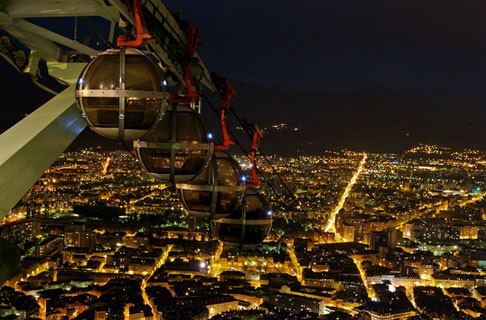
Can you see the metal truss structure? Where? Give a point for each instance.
(39, 33)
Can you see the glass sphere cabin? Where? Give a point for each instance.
(248, 225)
(178, 149)
(217, 191)
(121, 94)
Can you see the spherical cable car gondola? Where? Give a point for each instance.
(178, 149)
(217, 191)
(249, 225)
(121, 94)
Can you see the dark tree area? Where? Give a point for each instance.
(10, 257)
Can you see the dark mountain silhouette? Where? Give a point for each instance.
(362, 116)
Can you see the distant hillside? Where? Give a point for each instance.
(364, 116)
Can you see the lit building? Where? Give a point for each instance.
(80, 239)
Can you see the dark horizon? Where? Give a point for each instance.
(372, 126)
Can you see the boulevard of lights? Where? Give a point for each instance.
(408, 233)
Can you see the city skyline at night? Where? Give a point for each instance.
(402, 225)
(316, 160)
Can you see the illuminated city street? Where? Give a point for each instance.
(332, 219)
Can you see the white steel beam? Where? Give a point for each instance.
(60, 8)
(40, 39)
(52, 36)
(46, 48)
(66, 71)
(28, 148)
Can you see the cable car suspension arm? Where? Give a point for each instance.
(142, 35)
(194, 39)
(227, 92)
(257, 135)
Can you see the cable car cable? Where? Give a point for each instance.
(294, 198)
(104, 42)
(281, 180)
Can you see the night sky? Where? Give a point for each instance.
(378, 76)
(367, 75)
